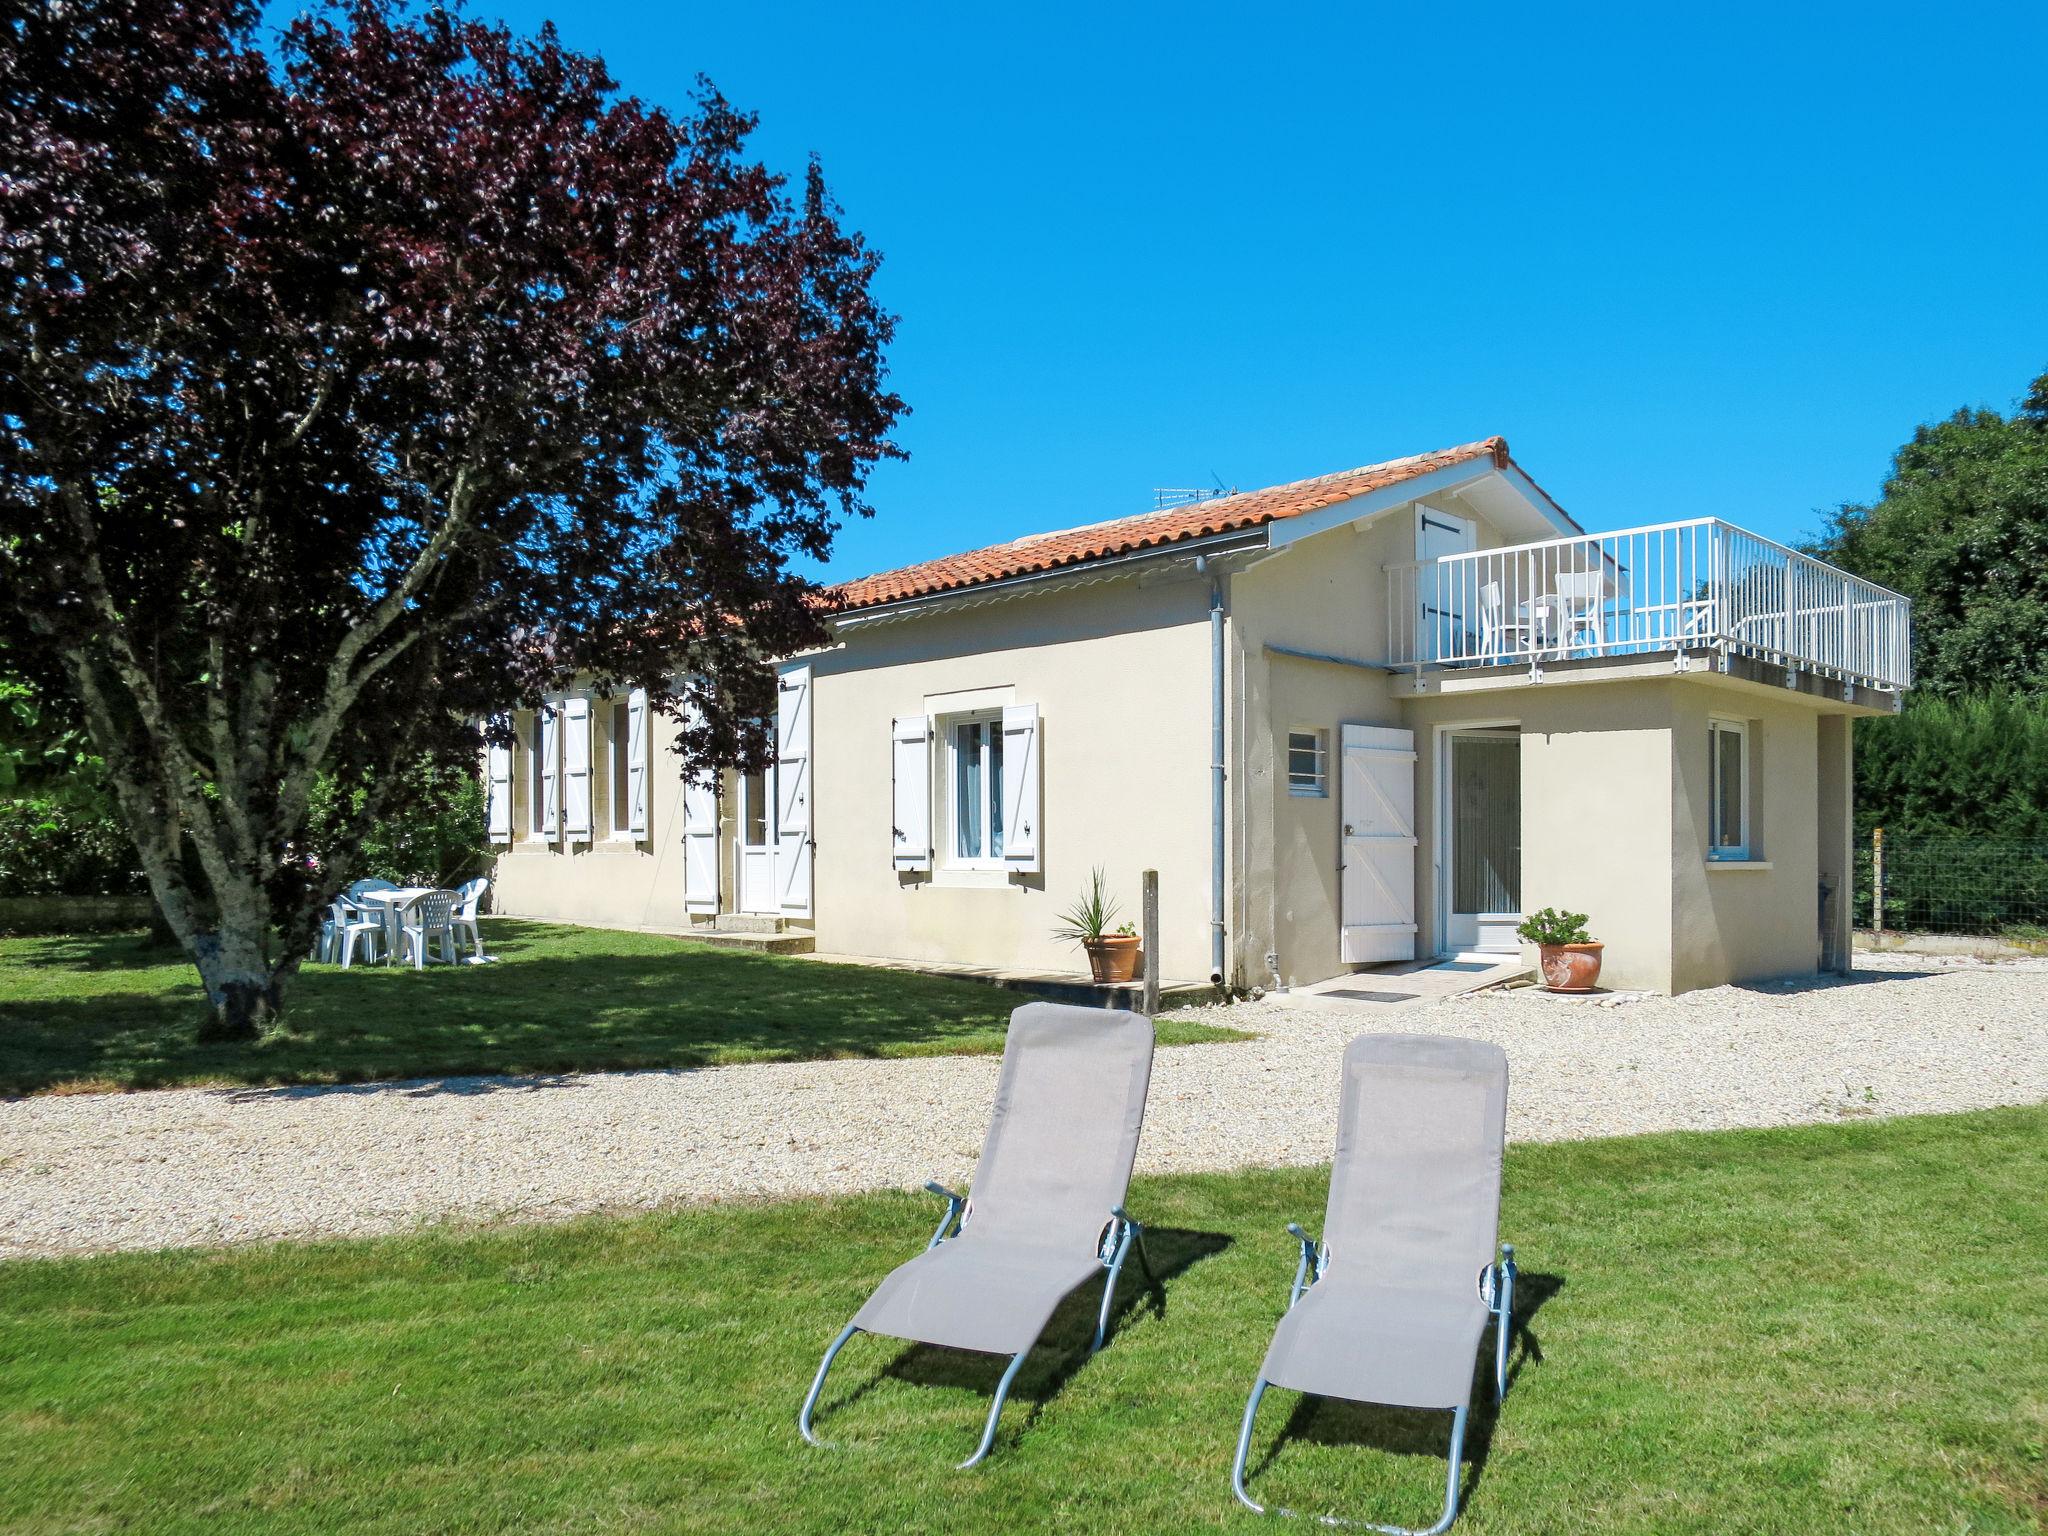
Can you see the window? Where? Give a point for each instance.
(1728, 790)
(537, 771)
(976, 749)
(754, 809)
(1308, 763)
(620, 729)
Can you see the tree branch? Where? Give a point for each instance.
(180, 774)
(344, 686)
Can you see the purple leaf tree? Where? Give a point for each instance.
(354, 391)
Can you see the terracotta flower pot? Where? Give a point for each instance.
(1569, 967)
(1113, 957)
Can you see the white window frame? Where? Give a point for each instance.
(1742, 850)
(1320, 788)
(990, 722)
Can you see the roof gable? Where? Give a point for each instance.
(1039, 553)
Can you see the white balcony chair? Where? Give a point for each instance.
(1580, 598)
(468, 897)
(1499, 635)
(427, 917)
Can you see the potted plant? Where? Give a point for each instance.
(1112, 951)
(1565, 951)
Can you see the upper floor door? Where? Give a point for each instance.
(1444, 591)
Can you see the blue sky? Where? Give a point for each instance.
(1687, 263)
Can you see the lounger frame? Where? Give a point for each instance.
(1496, 1289)
(1120, 1236)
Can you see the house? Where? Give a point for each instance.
(1369, 716)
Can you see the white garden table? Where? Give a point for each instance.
(394, 902)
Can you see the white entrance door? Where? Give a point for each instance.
(1376, 880)
(1444, 590)
(756, 847)
(1483, 836)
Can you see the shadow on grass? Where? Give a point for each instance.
(1338, 1421)
(106, 1011)
(91, 952)
(1062, 1349)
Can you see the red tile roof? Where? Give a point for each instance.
(1041, 552)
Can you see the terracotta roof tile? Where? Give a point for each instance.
(1040, 552)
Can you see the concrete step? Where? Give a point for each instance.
(786, 943)
(747, 922)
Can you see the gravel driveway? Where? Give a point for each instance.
(198, 1166)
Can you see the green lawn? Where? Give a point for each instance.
(1834, 1329)
(110, 1012)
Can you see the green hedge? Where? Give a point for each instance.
(1960, 786)
(1972, 767)
(52, 846)
(440, 839)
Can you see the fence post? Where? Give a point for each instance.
(1150, 900)
(1877, 888)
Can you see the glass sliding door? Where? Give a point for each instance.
(1485, 835)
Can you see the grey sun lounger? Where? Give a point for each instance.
(1047, 1213)
(1391, 1306)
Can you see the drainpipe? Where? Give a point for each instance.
(1215, 769)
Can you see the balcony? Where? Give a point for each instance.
(1678, 589)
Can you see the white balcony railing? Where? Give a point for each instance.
(1699, 585)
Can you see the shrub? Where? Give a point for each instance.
(1960, 786)
(1550, 926)
(1964, 767)
(442, 840)
(55, 845)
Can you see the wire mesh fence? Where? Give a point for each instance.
(1979, 887)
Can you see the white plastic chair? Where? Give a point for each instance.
(347, 924)
(1496, 628)
(468, 897)
(430, 916)
(1580, 597)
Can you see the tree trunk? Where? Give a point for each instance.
(242, 995)
(161, 934)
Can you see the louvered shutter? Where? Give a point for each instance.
(498, 787)
(793, 841)
(576, 767)
(1022, 800)
(636, 762)
(700, 827)
(550, 772)
(910, 793)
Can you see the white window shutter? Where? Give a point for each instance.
(636, 762)
(700, 830)
(576, 767)
(793, 840)
(498, 781)
(910, 793)
(1022, 801)
(550, 772)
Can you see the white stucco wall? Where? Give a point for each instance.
(606, 881)
(1120, 674)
